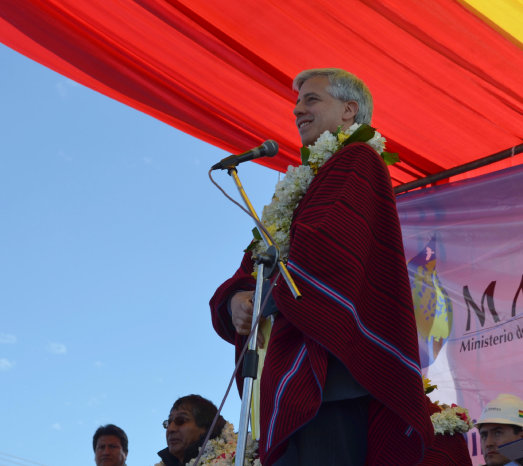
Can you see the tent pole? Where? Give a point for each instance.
(504, 154)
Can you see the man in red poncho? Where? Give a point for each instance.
(341, 382)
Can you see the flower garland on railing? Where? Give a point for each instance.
(277, 216)
(221, 451)
(451, 419)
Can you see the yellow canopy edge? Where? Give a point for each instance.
(506, 16)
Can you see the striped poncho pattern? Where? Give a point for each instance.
(346, 256)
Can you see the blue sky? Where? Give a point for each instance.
(112, 241)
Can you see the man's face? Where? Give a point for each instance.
(182, 431)
(317, 111)
(493, 435)
(109, 451)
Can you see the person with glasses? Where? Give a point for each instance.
(189, 421)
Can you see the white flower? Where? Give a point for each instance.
(451, 420)
(377, 142)
(221, 451)
(323, 148)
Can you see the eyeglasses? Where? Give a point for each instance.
(178, 421)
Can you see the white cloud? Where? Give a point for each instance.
(63, 87)
(57, 348)
(98, 364)
(147, 160)
(5, 364)
(56, 426)
(64, 156)
(97, 400)
(7, 339)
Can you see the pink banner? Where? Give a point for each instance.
(464, 247)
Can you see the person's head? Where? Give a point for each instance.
(501, 421)
(189, 420)
(328, 98)
(110, 446)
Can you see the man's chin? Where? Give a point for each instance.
(174, 448)
(308, 137)
(496, 459)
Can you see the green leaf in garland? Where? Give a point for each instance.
(430, 389)
(305, 153)
(390, 158)
(362, 134)
(257, 237)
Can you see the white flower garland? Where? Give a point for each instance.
(451, 420)
(277, 216)
(221, 451)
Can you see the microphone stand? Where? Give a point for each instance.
(266, 266)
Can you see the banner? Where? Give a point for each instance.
(464, 248)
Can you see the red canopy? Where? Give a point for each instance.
(447, 86)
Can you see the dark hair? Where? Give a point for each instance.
(111, 429)
(203, 412)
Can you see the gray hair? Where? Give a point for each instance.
(343, 86)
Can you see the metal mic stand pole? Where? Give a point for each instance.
(250, 362)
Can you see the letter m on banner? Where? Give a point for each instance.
(488, 295)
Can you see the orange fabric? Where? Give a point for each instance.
(447, 86)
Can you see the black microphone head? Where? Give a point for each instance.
(270, 148)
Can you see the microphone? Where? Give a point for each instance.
(268, 149)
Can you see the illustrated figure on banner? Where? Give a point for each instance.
(432, 305)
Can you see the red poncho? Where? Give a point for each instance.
(346, 256)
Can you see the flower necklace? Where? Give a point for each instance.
(221, 450)
(451, 419)
(277, 216)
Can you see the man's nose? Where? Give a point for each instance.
(490, 440)
(298, 109)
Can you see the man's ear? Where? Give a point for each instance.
(351, 110)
